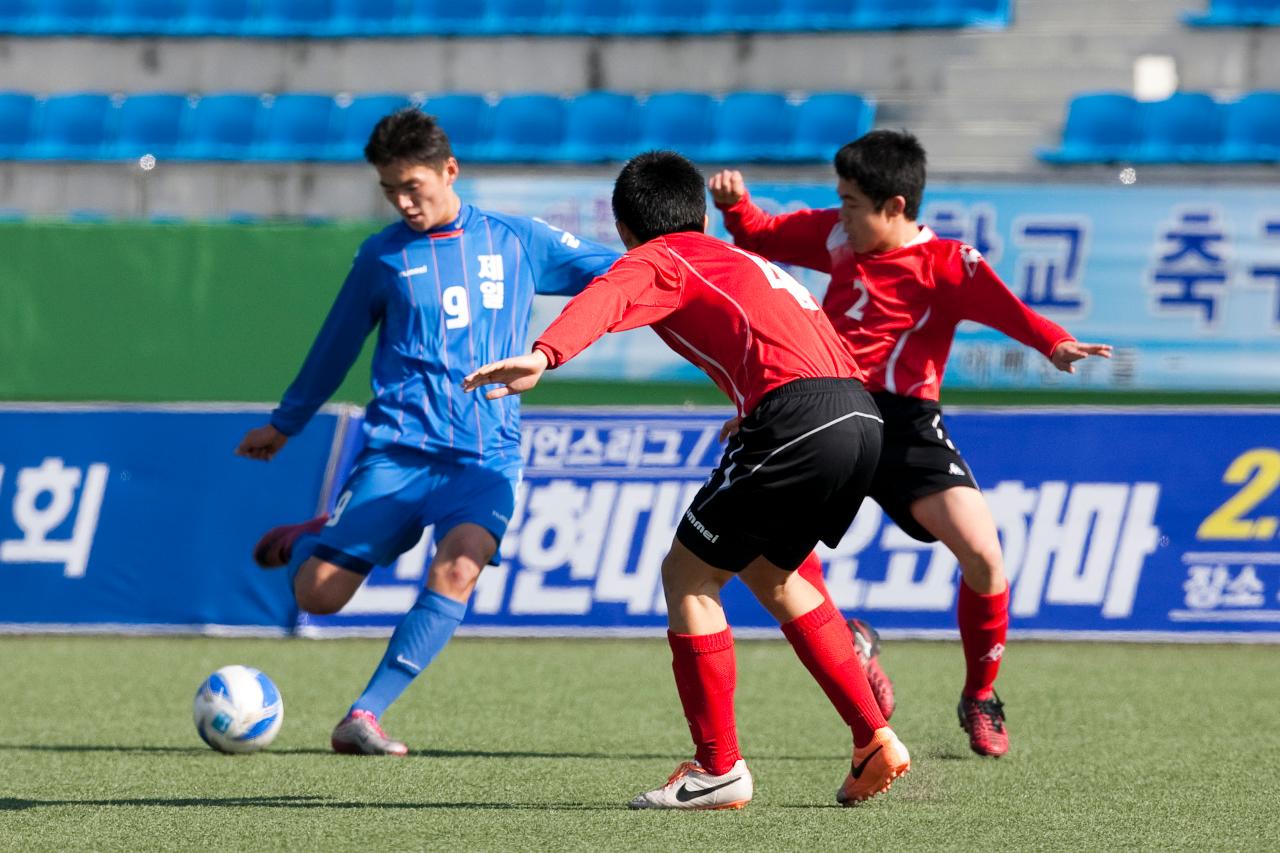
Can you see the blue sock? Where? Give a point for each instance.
(419, 637)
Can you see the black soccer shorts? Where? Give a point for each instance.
(796, 472)
(918, 459)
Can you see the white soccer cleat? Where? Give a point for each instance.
(691, 787)
(358, 733)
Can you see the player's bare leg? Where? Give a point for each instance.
(961, 520)
(460, 557)
(702, 660)
(817, 632)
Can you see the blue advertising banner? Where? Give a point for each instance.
(141, 519)
(1140, 523)
(1184, 281)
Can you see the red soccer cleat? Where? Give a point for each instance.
(276, 545)
(983, 719)
(867, 644)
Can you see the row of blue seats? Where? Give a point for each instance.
(1189, 127)
(591, 127)
(363, 18)
(1236, 13)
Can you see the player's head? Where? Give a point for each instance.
(416, 167)
(657, 193)
(880, 181)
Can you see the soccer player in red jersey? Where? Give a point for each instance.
(794, 471)
(897, 292)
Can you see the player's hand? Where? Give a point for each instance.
(261, 443)
(1067, 353)
(730, 427)
(727, 187)
(515, 375)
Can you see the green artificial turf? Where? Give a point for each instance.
(539, 744)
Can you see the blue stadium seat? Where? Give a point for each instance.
(591, 17)
(293, 18)
(150, 124)
(466, 118)
(353, 123)
(1253, 129)
(1236, 13)
(16, 15)
(446, 18)
(145, 17)
(827, 120)
(753, 126)
(73, 126)
(366, 18)
(748, 15)
(223, 126)
(218, 17)
(600, 127)
(820, 14)
(524, 16)
(295, 127)
(1101, 127)
(527, 128)
(1184, 128)
(681, 121)
(18, 113)
(66, 17)
(672, 16)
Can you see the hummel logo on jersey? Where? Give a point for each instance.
(685, 794)
(415, 271)
(953, 468)
(997, 652)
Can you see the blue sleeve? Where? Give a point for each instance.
(355, 312)
(562, 263)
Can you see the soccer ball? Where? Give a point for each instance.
(238, 709)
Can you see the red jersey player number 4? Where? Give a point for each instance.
(796, 468)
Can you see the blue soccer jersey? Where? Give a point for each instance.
(446, 301)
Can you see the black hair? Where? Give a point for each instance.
(659, 192)
(885, 163)
(411, 136)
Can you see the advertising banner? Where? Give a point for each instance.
(1183, 280)
(142, 519)
(1141, 523)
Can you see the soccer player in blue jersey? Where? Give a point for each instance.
(449, 288)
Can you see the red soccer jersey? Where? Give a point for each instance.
(897, 310)
(746, 323)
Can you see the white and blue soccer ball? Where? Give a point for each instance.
(238, 709)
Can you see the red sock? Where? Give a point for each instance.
(811, 570)
(825, 646)
(984, 623)
(706, 676)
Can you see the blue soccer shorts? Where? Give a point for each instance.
(394, 492)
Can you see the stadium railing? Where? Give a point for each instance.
(395, 18)
(591, 127)
(1187, 127)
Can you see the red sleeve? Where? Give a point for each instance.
(792, 238)
(975, 292)
(636, 291)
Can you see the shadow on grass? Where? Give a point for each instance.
(306, 750)
(292, 802)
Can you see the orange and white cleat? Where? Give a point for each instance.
(691, 787)
(874, 768)
(276, 545)
(358, 733)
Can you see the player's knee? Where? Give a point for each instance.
(982, 563)
(455, 578)
(318, 600)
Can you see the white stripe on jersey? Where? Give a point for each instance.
(890, 384)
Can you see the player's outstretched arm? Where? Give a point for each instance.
(727, 187)
(1067, 353)
(261, 443)
(515, 375)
